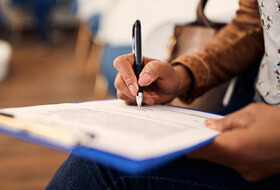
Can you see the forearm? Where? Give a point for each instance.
(234, 48)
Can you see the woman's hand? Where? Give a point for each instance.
(249, 143)
(161, 81)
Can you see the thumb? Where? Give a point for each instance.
(218, 124)
(235, 120)
(154, 70)
(150, 73)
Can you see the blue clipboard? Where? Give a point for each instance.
(111, 160)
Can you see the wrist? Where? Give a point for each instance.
(185, 77)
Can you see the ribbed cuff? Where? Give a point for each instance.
(184, 97)
(200, 73)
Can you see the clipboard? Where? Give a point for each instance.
(10, 125)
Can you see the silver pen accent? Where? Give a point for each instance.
(139, 99)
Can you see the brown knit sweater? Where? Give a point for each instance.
(234, 48)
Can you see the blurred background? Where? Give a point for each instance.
(56, 51)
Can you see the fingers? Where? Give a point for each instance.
(126, 99)
(154, 70)
(237, 150)
(150, 97)
(148, 100)
(123, 92)
(226, 149)
(249, 148)
(123, 64)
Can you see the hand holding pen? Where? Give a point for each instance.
(157, 82)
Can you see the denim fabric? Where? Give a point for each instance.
(108, 70)
(79, 173)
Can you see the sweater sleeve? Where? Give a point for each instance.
(232, 49)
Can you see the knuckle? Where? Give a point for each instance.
(153, 68)
(153, 65)
(128, 79)
(117, 61)
(121, 96)
(117, 83)
(123, 60)
(226, 122)
(250, 175)
(252, 108)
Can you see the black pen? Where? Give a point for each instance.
(138, 61)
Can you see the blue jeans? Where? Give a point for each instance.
(79, 173)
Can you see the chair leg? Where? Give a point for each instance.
(100, 90)
(93, 63)
(83, 44)
(17, 25)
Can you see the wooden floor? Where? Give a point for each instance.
(41, 76)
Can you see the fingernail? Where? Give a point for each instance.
(211, 123)
(149, 101)
(145, 79)
(132, 90)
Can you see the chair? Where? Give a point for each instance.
(90, 14)
(31, 13)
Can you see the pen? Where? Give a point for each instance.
(138, 65)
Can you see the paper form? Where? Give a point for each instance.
(124, 130)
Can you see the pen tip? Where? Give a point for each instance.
(139, 99)
(138, 102)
